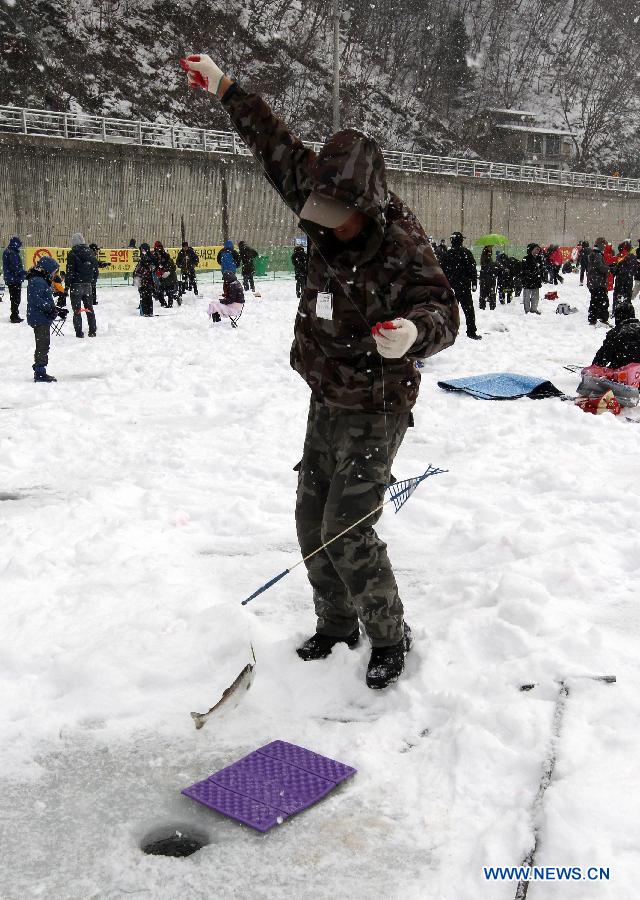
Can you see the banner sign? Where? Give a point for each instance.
(120, 261)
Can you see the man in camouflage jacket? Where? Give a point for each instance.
(369, 262)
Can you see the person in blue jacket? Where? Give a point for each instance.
(228, 258)
(14, 274)
(41, 311)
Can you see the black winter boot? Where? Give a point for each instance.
(319, 646)
(386, 663)
(40, 374)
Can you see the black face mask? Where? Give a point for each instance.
(331, 243)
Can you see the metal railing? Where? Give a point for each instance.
(78, 126)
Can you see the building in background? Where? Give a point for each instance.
(514, 135)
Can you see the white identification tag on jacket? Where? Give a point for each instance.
(324, 305)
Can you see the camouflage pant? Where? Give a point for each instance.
(344, 471)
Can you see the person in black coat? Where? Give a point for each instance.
(144, 278)
(621, 346)
(459, 265)
(516, 273)
(299, 261)
(624, 271)
(506, 281)
(14, 275)
(597, 282)
(187, 261)
(248, 257)
(583, 259)
(101, 265)
(166, 277)
(441, 250)
(232, 291)
(488, 279)
(82, 271)
(532, 275)
(636, 276)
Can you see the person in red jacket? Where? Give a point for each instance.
(609, 258)
(554, 262)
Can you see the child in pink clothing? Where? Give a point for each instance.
(232, 301)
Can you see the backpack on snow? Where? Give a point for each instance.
(622, 383)
(599, 404)
(564, 309)
(629, 374)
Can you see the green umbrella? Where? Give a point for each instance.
(491, 240)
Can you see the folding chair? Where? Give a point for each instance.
(227, 314)
(58, 323)
(234, 319)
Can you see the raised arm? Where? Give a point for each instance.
(283, 157)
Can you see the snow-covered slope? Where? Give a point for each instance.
(413, 74)
(151, 489)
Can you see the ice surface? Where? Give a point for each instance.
(153, 489)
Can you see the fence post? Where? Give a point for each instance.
(104, 129)
(204, 139)
(66, 126)
(24, 121)
(140, 132)
(173, 137)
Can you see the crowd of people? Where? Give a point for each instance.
(503, 277)
(158, 278)
(155, 276)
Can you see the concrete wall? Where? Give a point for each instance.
(111, 192)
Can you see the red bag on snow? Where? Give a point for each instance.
(598, 405)
(629, 374)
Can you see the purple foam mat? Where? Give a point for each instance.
(236, 806)
(322, 766)
(269, 785)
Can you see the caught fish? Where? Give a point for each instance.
(242, 683)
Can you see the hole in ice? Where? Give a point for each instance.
(5, 495)
(173, 840)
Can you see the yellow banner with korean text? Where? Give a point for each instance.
(121, 260)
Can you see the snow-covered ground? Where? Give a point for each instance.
(152, 488)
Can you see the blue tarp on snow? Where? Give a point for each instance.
(502, 386)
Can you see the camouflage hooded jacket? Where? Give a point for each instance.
(388, 271)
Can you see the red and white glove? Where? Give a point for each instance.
(202, 72)
(394, 339)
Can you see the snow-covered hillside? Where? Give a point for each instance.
(151, 489)
(414, 74)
